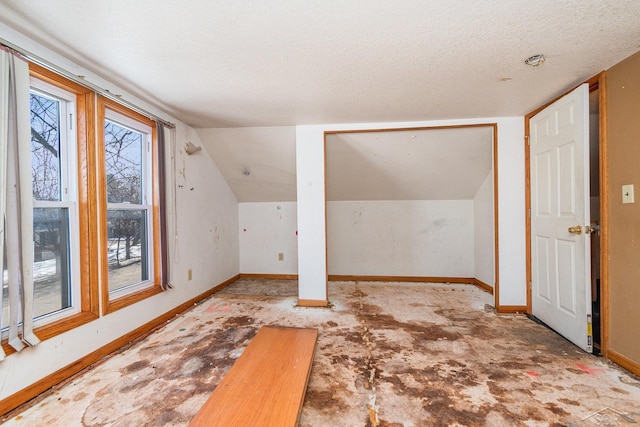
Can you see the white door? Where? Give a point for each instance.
(560, 240)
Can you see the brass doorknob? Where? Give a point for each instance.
(575, 230)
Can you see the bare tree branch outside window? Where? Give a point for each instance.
(45, 147)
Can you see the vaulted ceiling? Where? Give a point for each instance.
(246, 72)
(419, 164)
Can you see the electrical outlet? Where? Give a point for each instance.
(189, 274)
(280, 256)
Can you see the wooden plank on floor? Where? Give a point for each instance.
(266, 385)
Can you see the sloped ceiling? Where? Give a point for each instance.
(434, 164)
(259, 164)
(420, 164)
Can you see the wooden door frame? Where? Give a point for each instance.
(597, 82)
(496, 248)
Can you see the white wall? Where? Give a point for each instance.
(311, 212)
(267, 230)
(401, 238)
(205, 220)
(483, 215)
(511, 215)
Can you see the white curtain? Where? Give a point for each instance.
(16, 204)
(4, 120)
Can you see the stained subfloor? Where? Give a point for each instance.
(388, 354)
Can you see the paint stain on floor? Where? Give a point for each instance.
(392, 354)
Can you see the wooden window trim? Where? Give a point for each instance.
(85, 129)
(110, 305)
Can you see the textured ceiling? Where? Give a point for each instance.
(279, 63)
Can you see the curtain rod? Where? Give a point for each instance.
(77, 79)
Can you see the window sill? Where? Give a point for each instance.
(112, 305)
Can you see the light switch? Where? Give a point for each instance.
(627, 194)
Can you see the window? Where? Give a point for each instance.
(96, 206)
(65, 295)
(130, 261)
(55, 208)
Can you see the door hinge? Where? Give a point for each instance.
(70, 121)
(526, 137)
(529, 213)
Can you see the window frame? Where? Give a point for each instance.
(84, 120)
(145, 203)
(112, 302)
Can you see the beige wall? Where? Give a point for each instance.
(623, 136)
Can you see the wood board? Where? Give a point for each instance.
(266, 385)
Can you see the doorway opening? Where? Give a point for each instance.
(399, 202)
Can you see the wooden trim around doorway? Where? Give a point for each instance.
(493, 290)
(604, 218)
(496, 229)
(527, 206)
